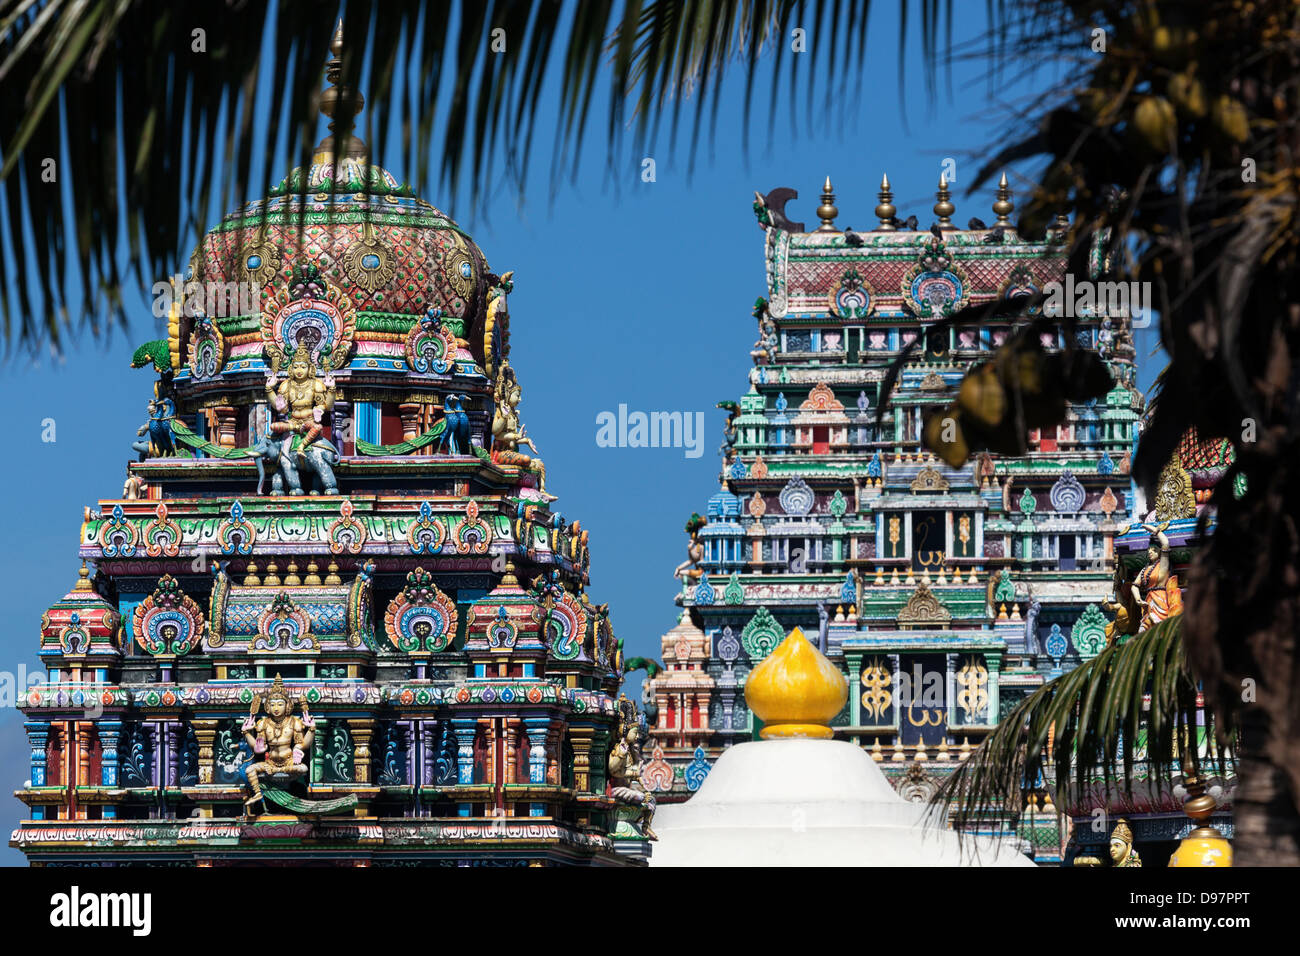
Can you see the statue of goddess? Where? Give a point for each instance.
(280, 738)
(1155, 589)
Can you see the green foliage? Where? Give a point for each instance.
(128, 86)
(1084, 729)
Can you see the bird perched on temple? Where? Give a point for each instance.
(936, 231)
(851, 237)
(457, 426)
(161, 414)
(996, 235)
(976, 223)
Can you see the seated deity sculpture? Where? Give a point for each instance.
(625, 770)
(303, 397)
(280, 740)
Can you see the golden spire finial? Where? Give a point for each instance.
(944, 207)
(886, 210)
(1003, 206)
(83, 579)
(1204, 845)
(796, 691)
(341, 104)
(827, 211)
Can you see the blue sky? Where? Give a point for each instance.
(626, 292)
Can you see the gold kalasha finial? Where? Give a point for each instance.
(827, 211)
(944, 207)
(886, 210)
(341, 104)
(1003, 206)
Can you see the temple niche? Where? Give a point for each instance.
(334, 614)
(945, 596)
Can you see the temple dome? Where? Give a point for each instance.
(83, 622)
(372, 257)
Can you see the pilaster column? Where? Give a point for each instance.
(84, 732)
(342, 427)
(539, 732)
(362, 729)
(175, 733)
(410, 415)
(317, 774)
(854, 663)
(995, 686)
(580, 739)
(157, 754)
(38, 738)
(898, 703)
(225, 427)
(465, 729)
(110, 732)
(599, 765)
(206, 732)
(429, 733)
(950, 688)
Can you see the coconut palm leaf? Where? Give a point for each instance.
(128, 126)
(1085, 732)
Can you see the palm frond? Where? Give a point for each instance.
(146, 111)
(1085, 734)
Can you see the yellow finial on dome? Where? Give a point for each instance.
(796, 691)
(83, 579)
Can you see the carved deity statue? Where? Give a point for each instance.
(690, 568)
(1155, 589)
(1121, 846)
(625, 768)
(279, 738)
(303, 397)
(507, 431)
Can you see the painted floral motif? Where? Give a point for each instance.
(236, 535)
(118, 537)
(162, 535)
(347, 533)
(421, 617)
(426, 533)
(168, 621)
(283, 626)
(471, 533)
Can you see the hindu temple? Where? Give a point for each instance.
(334, 615)
(944, 595)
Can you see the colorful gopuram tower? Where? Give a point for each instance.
(334, 616)
(946, 595)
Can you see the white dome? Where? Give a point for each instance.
(799, 802)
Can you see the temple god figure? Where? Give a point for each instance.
(1156, 589)
(280, 739)
(303, 398)
(1121, 846)
(625, 773)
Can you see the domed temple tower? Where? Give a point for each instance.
(334, 614)
(946, 595)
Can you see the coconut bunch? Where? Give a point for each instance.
(1023, 387)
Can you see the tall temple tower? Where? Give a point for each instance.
(334, 615)
(946, 595)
